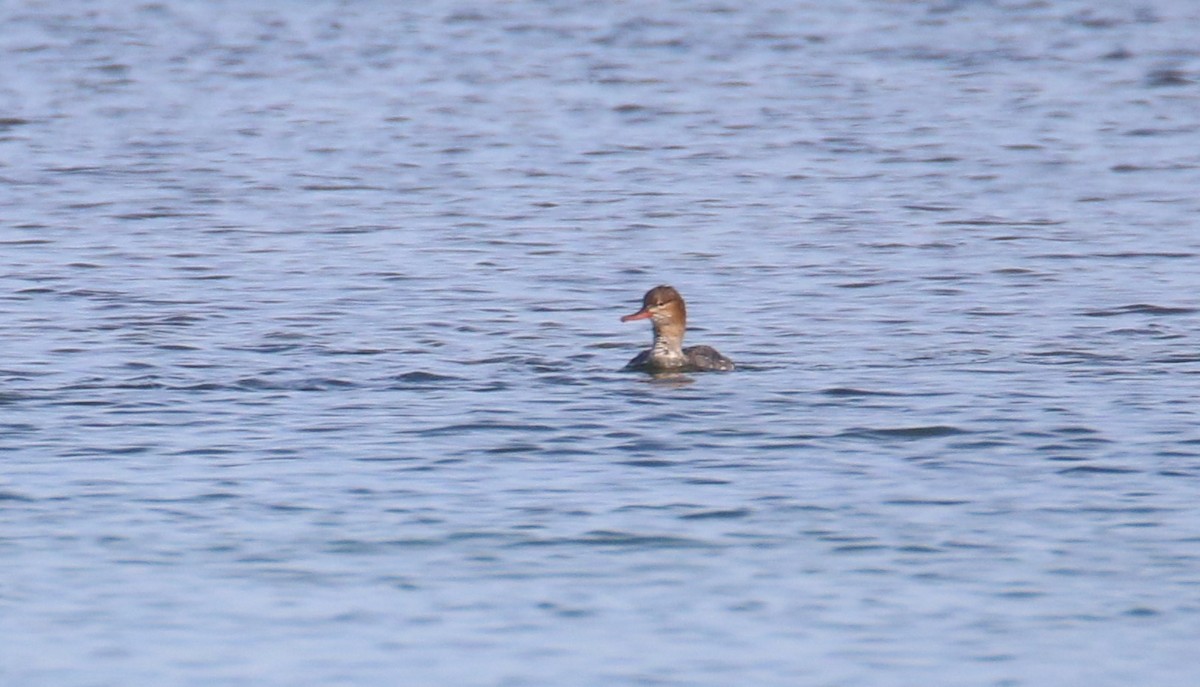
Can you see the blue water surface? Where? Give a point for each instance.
(310, 352)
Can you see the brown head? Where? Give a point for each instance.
(664, 306)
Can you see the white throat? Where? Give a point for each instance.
(667, 351)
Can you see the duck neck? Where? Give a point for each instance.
(668, 341)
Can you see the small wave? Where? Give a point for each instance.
(620, 539)
(203, 386)
(140, 383)
(919, 432)
(313, 384)
(851, 391)
(1178, 358)
(865, 284)
(154, 214)
(615, 538)
(1096, 470)
(998, 222)
(926, 502)
(918, 548)
(7, 397)
(1143, 254)
(353, 351)
(648, 463)
(717, 514)
(1139, 309)
(1068, 356)
(460, 428)
(265, 348)
(1119, 255)
(857, 548)
(321, 384)
(514, 448)
(1158, 78)
(176, 347)
(423, 377)
(341, 187)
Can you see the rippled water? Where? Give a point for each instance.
(311, 347)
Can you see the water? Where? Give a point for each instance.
(311, 347)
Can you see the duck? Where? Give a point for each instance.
(664, 307)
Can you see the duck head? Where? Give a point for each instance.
(663, 306)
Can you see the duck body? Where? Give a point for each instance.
(694, 359)
(664, 307)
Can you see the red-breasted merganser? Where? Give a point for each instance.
(663, 306)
